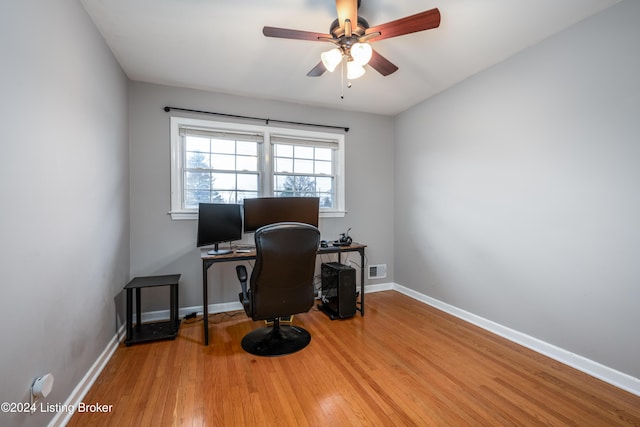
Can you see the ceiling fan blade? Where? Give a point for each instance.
(410, 24)
(347, 9)
(382, 64)
(285, 33)
(317, 71)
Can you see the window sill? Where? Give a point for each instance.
(183, 215)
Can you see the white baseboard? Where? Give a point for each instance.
(80, 391)
(153, 316)
(378, 287)
(595, 369)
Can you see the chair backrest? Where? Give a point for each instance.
(282, 278)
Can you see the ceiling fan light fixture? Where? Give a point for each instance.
(352, 34)
(361, 53)
(354, 70)
(331, 59)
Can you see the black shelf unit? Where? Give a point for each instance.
(152, 331)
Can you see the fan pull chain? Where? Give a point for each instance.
(342, 66)
(342, 70)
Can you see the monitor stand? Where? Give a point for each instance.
(216, 251)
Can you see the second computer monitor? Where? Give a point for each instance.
(263, 211)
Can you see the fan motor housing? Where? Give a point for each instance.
(358, 31)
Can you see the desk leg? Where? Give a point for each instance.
(362, 267)
(205, 302)
(173, 310)
(177, 308)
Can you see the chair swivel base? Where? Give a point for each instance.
(271, 341)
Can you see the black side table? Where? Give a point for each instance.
(155, 330)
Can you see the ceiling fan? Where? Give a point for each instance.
(351, 34)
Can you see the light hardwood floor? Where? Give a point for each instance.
(403, 363)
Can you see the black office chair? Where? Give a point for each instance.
(281, 285)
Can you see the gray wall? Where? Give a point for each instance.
(517, 192)
(160, 245)
(64, 185)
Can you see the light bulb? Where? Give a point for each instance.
(361, 53)
(354, 70)
(331, 59)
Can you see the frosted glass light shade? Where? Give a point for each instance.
(361, 53)
(354, 70)
(331, 59)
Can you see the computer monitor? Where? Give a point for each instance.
(263, 211)
(217, 223)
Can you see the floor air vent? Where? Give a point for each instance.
(378, 271)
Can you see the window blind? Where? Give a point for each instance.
(285, 139)
(222, 134)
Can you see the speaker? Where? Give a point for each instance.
(338, 290)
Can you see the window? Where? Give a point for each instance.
(215, 162)
(304, 168)
(219, 167)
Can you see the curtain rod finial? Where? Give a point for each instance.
(167, 109)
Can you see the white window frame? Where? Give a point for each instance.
(265, 168)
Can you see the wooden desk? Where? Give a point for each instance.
(209, 260)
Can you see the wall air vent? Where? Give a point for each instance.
(378, 271)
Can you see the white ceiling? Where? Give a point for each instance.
(218, 45)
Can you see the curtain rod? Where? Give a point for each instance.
(167, 109)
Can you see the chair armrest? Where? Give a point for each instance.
(241, 271)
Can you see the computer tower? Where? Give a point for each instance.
(338, 290)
